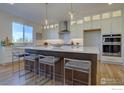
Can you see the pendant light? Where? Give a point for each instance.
(71, 13)
(109, 3)
(46, 18)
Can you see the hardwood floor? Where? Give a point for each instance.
(8, 77)
(108, 74)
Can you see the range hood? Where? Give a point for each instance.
(64, 27)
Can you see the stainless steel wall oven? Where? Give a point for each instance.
(111, 45)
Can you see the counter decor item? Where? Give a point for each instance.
(77, 44)
(45, 44)
(6, 42)
(72, 44)
(2, 43)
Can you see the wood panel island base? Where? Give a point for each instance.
(82, 53)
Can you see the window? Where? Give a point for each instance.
(17, 33)
(28, 34)
(22, 33)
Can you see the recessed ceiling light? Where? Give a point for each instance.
(109, 3)
(51, 26)
(11, 3)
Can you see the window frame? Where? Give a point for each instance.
(24, 25)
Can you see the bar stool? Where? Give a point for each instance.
(48, 61)
(30, 65)
(83, 66)
(17, 55)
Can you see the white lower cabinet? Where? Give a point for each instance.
(5, 55)
(113, 60)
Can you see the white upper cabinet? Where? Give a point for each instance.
(116, 25)
(106, 23)
(96, 23)
(87, 23)
(76, 31)
(111, 23)
(106, 26)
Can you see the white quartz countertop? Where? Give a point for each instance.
(89, 50)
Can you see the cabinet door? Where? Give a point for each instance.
(73, 30)
(87, 25)
(77, 31)
(116, 25)
(106, 26)
(96, 24)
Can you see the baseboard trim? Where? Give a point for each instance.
(109, 62)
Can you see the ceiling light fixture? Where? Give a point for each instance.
(46, 19)
(109, 3)
(11, 3)
(71, 13)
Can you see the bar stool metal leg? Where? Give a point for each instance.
(39, 72)
(54, 74)
(64, 72)
(19, 67)
(72, 76)
(35, 72)
(89, 80)
(12, 64)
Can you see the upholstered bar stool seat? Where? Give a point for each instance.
(80, 65)
(49, 60)
(31, 57)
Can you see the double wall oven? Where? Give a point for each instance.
(111, 45)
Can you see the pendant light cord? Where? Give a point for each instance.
(46, 20)
(46, 9)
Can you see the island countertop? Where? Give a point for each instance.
(75, 49)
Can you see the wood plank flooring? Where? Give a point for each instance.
(108, 74)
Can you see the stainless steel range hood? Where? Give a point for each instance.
(64, 27)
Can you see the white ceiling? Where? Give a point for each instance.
(56, 11)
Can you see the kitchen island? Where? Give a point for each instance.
(82, 53)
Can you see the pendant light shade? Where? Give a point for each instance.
(46, 22)
(46, 18)
(71, 13)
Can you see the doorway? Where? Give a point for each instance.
(92, 38)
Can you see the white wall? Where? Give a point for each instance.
(92, 38)
(123, 34)
(51, 33)
(6, 25)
